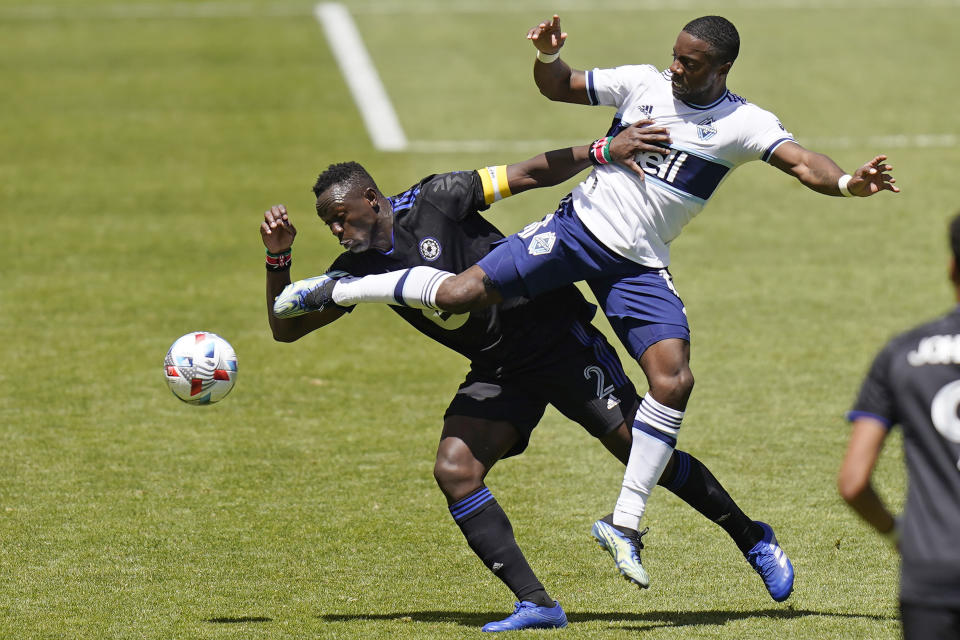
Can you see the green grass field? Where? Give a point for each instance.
(141, 143)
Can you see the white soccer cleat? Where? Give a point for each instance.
(306, 296)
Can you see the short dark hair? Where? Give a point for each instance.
(719, 33)
(955, 237)
(351, 174)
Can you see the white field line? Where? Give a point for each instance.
(387, 134)
(361, 77)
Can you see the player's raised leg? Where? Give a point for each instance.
(420, 287)
(468, 448)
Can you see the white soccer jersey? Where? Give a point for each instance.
(638, 220)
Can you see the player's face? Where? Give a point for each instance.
(696, 78)
(350, 216)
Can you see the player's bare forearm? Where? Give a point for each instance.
(815, 170)
(278, 233)
(821, 174)
(558, 82)
(553, 167)
(868, 505)
(548, 169)
(853, 482)
(292, 329)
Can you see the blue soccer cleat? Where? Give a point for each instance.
(527, 615)
(624, 548)
(773, 565)
(306, 296)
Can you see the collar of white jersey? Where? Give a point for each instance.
(709, 106)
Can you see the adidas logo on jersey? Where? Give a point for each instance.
(612, 401)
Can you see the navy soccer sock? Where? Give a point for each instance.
(488, 532)
(693, 483)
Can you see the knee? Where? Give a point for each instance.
(459, 294)
(452, 471)
(673, 387)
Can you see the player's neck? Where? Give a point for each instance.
(383, 235)
(708, 99)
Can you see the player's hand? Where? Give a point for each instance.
(276, 230)
(547, 36)
(872, 178)
(640, 137)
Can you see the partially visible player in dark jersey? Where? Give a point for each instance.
(915, 382)
(524, 354)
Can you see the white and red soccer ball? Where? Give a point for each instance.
(200, 368)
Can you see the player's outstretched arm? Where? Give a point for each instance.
(863, 450)
(553, 167)
(277, 233)
(818, 172)
(555, 79)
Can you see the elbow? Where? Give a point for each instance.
(551, 90)
(546, 92)
(284, 336)
(551, 93)
(851, 486)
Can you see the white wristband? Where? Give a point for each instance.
(547, 58)
(842, 185)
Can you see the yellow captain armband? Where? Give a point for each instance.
(495, 185)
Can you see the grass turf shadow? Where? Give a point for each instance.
(238, 620)
(653, 619)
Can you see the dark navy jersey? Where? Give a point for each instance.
(437, 224)
(915, 382)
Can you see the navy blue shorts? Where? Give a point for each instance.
(641, 302)
(581, 376)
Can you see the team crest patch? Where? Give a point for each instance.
(705, 129)
(542, 243)
(430, 249)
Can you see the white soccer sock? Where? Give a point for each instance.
(655, 430)
(413, 287)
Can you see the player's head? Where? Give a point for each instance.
(955, 251)
(702, 56)
(349, 202)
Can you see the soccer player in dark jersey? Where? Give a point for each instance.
(915, 382)
(524, 353)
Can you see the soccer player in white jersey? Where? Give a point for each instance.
(614, 232)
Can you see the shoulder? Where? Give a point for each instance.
(455, 186)
(747, 110)
(933, 342)
(634, 72)
(625, 75)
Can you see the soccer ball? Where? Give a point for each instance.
(200, 368)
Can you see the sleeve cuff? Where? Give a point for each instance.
(853, 415)
(773, 147)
